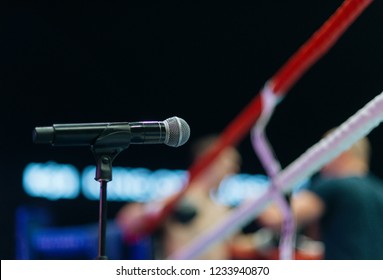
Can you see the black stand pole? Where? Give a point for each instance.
(102, 222)
(103, 175)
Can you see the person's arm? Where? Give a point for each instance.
(307, 207)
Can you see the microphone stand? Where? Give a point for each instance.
(103, 175)
(105, 151)
(111, 140)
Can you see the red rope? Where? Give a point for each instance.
(318, 44)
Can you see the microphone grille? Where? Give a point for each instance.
(178, 132)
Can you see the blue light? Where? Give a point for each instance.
(56, 181)
(51, 180)
(134, 184)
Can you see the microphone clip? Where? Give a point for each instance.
(105, 149)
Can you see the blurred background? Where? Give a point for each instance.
(107, 61)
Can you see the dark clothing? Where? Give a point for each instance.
(352, 225)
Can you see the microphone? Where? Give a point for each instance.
(173, 132)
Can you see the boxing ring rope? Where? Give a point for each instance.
(272, 167)
(317, 45)
(271, 95)
(356, 127)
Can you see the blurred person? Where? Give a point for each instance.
(346, 202)
(196, 211)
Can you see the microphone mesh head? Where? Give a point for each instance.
(178, 132)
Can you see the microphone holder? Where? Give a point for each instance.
(105, 152)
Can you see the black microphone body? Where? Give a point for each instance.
(172, 132)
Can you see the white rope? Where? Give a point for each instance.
(270, 163)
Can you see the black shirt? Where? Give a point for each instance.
(352, 225)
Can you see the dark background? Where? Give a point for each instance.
(106, 61)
